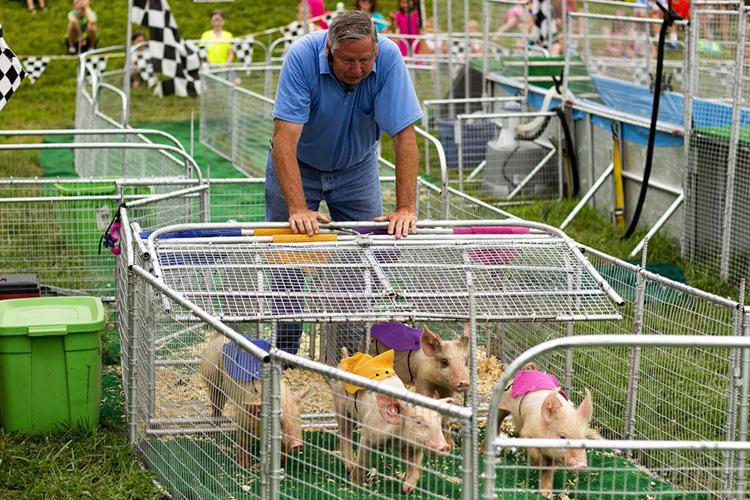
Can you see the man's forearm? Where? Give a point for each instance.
(287, 172)
(407, 168)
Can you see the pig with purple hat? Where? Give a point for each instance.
(423, 359)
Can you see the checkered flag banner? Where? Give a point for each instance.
(171, 56)
(34, 67)
(95, 66)
(11, 71)
(145, 69)
(328, 17)
(243, 50)
(293, 30)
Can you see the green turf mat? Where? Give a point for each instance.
(220, 167)
(724, 133)
(655, 292)
(540, 67)
(57, 162)
(184, 466)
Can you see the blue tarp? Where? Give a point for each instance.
(636, 100)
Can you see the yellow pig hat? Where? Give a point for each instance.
(364, 365)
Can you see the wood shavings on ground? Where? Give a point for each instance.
(180, 394)
(319, 398)
(181, 391)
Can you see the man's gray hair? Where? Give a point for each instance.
(351, 26)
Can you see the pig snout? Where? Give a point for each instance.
(295, 446)
(442, 448)
(462, 385)
(577, 462)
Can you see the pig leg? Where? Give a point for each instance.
(413, 459)
(359, 472)
(546, 471)
(216, 394)
(545, 478)
(345, 441)
(244, 439)
(442, 394)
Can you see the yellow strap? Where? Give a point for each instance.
(303, 238)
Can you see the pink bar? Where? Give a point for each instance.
(491, 230)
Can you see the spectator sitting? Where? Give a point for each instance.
(217, 52)
(371, 7)
(137, 45)
(81, 21)
(615, 36)
(32, 9)
(518, 17)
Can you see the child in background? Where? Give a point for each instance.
(218, 53)
(315, 8)
(406, 22)
(371, 7)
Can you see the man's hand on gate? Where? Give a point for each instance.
(306, 221)
(401, 222)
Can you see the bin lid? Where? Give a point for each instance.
(86, 189)
(51, 316)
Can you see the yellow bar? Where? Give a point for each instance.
(272, 231)
(619, 213)
(302, 238)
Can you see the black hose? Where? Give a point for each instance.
(571, 149)
(670, 16)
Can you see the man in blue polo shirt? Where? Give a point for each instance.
(337, 90)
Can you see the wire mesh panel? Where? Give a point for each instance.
(660, 393)
(517, 278)
(52, 228)
(191, 448)
(716, 218)
(204, 411)
(660, 462)
(620, 42)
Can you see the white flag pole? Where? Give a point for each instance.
(126, 77)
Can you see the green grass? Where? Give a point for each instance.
(101, 464)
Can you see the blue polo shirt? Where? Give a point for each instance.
(341, 128)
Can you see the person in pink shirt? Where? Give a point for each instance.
(406, 22)
(315, 8)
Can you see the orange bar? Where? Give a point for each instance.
(303, 238)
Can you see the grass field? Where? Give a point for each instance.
(101, 464)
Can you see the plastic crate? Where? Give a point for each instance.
(18, 286)
(50, 363)
(474, 136)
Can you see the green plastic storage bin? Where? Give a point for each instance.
(50, 363)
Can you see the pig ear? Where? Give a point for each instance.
(255, 408)
(464, 340)
(430, 341)
(301, 393)
(389, 409)
(551, 407)
(586, 409)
